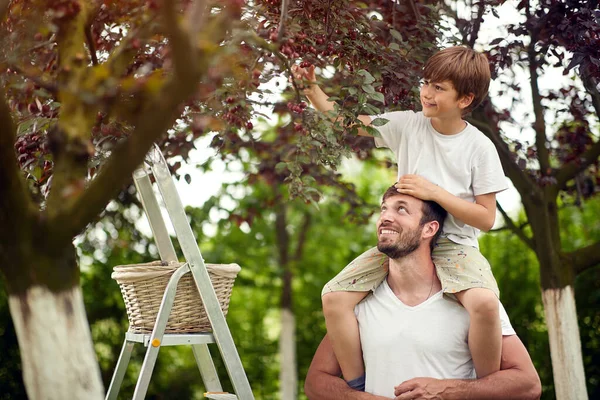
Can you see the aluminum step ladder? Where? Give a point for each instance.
(156, 165)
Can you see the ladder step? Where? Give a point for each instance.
(220, 396)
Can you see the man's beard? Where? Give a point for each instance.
(407, 242)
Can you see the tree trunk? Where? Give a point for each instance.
(288, 376)
(56, 347)
(559, 302)
(287, 348)
(565, 343)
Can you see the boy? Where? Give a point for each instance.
(442, 158)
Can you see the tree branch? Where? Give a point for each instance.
(89, 38)
(590, 84)
(413, 9)
(153, 121)
(282, 18)
(158, 115)
(263, 44)
(572, 169)
(539, 126)
(522, 182)
(37, 78)
(477, 24)
(70, 140)
(15, 203)
(184, 53)
(196, 17)
(302, 237)
(460, 23)
(3, 8)
(515, 229)
(585, 257)
(122, 56)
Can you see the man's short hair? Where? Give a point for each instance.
(431, 210)
(467, 69)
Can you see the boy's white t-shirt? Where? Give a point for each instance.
(401, 342)
(465, 164)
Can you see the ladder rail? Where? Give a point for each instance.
(207, 368)
(120, 370)
(157, 333)
(193, 256)
(153, 212)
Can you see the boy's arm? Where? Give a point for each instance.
(323, 380)
(318, 98)
(516, 380)
(480, 214)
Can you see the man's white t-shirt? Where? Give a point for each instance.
(465, 164)
(400, 342)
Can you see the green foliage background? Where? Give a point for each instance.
(333, 240)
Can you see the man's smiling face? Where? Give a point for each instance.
(399, 228)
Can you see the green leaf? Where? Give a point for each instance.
(368, 77)
(377, 97)
(368, 89)
(396, 35)
(394, 46)
(372, 131)
(37, 173)
(379, 121)
(370, 109)
(281, 167)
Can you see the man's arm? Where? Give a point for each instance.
(516, 380)
(323, 380)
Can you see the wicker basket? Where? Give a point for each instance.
(143, 287)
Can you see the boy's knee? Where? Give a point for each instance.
(486, 305)
(335, 303)
(332, 302)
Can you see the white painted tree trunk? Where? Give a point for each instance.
(565, 344)
(56, 346)
(288, 375)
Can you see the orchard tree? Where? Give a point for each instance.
(372, 53)
(560, 166)
(89, 86)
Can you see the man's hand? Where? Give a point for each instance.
(417, 186)
(421, 389)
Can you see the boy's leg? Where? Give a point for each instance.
(342, 329)
(485, 330)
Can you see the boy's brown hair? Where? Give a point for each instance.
(468, 70)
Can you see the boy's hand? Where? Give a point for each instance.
(417, 186)
(307, 77)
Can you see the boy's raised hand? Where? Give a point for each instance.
(307, 76)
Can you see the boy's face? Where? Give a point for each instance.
(440, 100)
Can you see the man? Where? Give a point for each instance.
(414, 339)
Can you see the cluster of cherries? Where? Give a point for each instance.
(237, 115)
(297, 107)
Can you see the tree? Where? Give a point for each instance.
(560, 166)
(79, 81)
(89, 86)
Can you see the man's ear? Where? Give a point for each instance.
(430, 229)
(466, 100)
